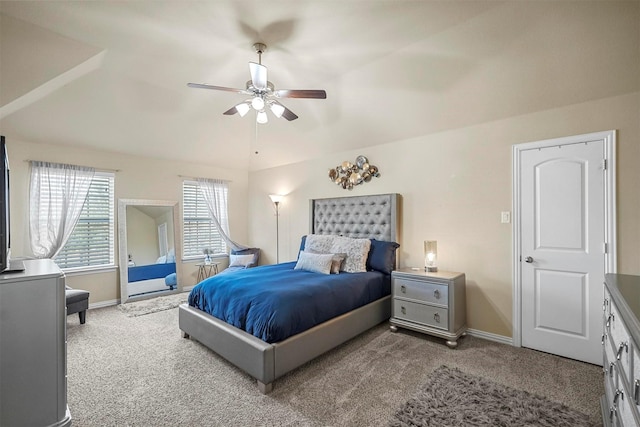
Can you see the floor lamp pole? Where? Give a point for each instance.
(277, 234)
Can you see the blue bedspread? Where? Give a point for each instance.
(274, 302)
(151, 271)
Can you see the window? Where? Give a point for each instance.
(92, 242)
(199, 231)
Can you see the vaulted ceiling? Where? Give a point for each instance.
(112, 75)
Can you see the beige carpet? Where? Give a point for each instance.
(139, 371)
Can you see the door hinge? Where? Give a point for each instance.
(604, 164)
(605, 248)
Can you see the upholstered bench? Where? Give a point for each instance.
(77, 302)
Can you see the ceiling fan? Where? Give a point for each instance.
(263, 94)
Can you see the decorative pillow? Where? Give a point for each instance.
(317, 263)
(382, 256)
(320, 244)
(240, 260)
(356, 250)
(255, 252)
(303, 242)
(336, 262)
(162, 260)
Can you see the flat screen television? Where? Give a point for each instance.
(5, 240)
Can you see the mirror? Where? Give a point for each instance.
(149, 247)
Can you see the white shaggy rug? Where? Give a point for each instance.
(153, 305)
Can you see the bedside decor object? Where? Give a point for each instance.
(207, 255)
(276, 199)
(430, 256)
(433, 303)
(349, 174)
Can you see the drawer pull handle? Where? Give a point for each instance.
(403, 289)
(603, 338)
(605, 305)
(611, 366)
(619, 394)
(609, 319)
(623, 345)
(436, 294)
(612, 412)
(636, 392)
(436, 317)
(403, 310)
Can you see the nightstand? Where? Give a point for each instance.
(432, 303)
(207, 270)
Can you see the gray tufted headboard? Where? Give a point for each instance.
(373, 217)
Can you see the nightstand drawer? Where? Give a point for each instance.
(422, 291)
(421, 313)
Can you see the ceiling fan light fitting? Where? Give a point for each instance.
(262, 118)
(277, 109)
(257, 103)
(243, 109)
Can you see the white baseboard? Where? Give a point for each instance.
(104, 303)
(489, 336)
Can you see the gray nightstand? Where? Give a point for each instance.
(433, 303)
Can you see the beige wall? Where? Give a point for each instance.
(454, 185)
(137, 178)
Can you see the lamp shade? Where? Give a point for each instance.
(277, 110)
(243, 109)
(257, 103)
(262, 117)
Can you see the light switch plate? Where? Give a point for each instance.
(505, 217)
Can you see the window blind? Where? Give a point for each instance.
(92, 240)
(199, 231)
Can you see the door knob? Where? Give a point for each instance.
(528, 259)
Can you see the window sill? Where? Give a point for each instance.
(80, 271)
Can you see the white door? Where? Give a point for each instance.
(562, 248)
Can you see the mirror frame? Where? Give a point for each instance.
(122, 245)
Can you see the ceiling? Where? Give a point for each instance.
(112, 75)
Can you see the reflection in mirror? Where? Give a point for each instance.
(148, 248)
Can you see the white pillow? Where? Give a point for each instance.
(317, 263)
(320, 244)
(337, 261)
(240, 260)
(357, 251)
(162, 260)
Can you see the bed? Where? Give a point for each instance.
(370, 217)
(152, 277)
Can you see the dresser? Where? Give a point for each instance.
(432, 303)
(33, 355)
(621, 352)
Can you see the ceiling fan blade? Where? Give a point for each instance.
(231, 111)
(301, 93)
(226, 89)
(258, 75)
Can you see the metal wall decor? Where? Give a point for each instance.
(349, 174)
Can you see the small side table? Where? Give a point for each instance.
(432, 303)
(207, 270)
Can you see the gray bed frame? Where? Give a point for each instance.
(375, 216)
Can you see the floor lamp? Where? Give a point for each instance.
(276, 199)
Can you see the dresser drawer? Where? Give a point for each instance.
(430, 292)
(421, 313)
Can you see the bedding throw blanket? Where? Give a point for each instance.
(274, 302)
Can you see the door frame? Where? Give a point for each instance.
(609, 138)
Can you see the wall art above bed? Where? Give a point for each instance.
(349, 174)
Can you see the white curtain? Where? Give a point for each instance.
(215, 194)
(56, 196)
